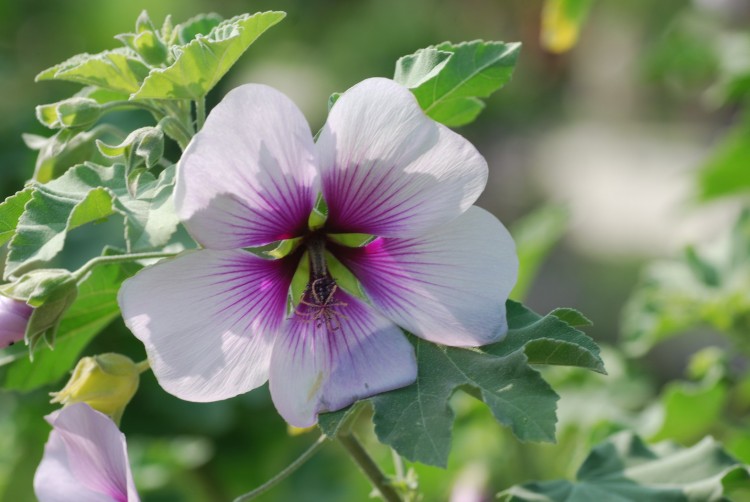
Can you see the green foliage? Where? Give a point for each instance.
(726, 170)
(119, 70)
(88, 193)
(416, 421)
(65, 149)
(200, 64)
(535, 235)
(690, 410)
(561, 23)
(94, 308)
(624, 468)
(51, 292)
(10, 212)
(448, 80)
(707, 287)
(71, 112)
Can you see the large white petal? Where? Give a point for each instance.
(208, 320)
(318, 367)
(389, 170)
(449, 286)
(85, 459)
(249, 176)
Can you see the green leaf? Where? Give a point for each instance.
(474, 70)
(330, 423)
(202, 24)
(71, 112)
(88, 193)
(416, 420)
(65, 149)
(10, 212)
(707, 287)
(415, 69)
(726, 171)
(94, 308)
(200, 64)
(624, 468)
(690, 410)
(535, 235)
(118, 69)
(550, 339)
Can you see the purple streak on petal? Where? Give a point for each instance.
(389, 170)
(249, 177)
(14, 316)
(208, 319)
(85, 459)
(448, 287)
(319, 367)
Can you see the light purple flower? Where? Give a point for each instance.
(85, 459)
(14, 316)
(216, 322)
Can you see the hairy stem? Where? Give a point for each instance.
(200, 113)
(285, 473)
(118, 258)
(368, 466)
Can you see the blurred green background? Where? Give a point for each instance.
(611, 135)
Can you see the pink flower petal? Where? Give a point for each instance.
(447, 287)
(14, 316)
(248, 177)
(317, 367)
(389, 170)
(208, 320)
(84, 460)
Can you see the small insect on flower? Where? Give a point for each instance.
(216, 322)
(14, 316)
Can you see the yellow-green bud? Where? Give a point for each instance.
(106, 382)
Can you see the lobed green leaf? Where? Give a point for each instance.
(624, 468)
(200, 64)
(88, 193)
(416, 420)
(118, 70)
(449, 88)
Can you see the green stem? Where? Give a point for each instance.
(200, 113)
(286, 472)
(117, 258)
(143, 366)
(368, 466)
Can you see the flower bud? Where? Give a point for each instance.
(106, 382)
(14, 316)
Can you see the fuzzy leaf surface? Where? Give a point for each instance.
(201, 63)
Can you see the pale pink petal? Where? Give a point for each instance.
(447, 287)
(249, 176)
(208, 320)
(389, 170)
(14, 316)
(85, 459)
(317, 367)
